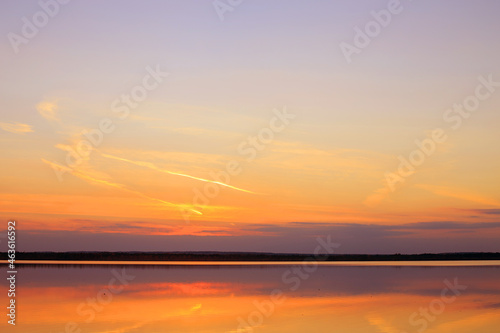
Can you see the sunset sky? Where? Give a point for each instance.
(157, 125)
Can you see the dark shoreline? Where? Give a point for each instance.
(243, 256)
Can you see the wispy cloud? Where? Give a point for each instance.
(486, 211)
(48, 110)
(201, 132)
(154, 167)
(16, 128)
(127, 329)
(382, 325)
(94, 180)
(339, 163)
(459, 194)
(377, 197)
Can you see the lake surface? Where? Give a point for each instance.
(256, 298)
(438, 263)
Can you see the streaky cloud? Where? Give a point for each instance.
(154, 167)
(16, 128)
(93, 180)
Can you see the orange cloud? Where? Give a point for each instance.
(47, 110)
(116, 185)
(459, 194)
(154, 167)
(16, 128)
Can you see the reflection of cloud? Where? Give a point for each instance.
(493, 306)
(47, 110)
(199, 288)
(126, 329)
(16, 128)
(196, 307)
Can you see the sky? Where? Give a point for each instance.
(250, 125)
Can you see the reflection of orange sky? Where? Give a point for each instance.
(215, 307)
(137, 290)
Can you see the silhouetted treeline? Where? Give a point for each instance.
(243, 256)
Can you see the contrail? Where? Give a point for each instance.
(154, 167)
(116, 185)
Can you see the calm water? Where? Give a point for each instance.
(263, 298)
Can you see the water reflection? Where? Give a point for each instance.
(120, 299)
